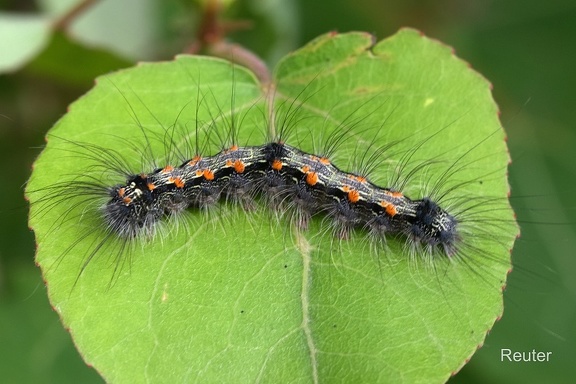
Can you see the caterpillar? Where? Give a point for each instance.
(309, 182)
(196, 187)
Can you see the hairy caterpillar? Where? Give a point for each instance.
(174, 277)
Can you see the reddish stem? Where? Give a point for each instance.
(63, 23)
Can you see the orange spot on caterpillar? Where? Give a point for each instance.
(277, 165)
(394, 194)
(232, 148)
(360, 179)
(239, 166)
(168, 169)
(311, 178)
(322, 160)
(346, 188)
(151, 186)
(208, 174)
(121, 192)
(194, 160)
(305, 169)
(353, 196)
(389, 208)
(177, 181)
(126, 200)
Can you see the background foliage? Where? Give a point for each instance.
(525, 48)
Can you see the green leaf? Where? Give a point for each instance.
(228, 295)
(21, 38)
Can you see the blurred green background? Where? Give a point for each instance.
(526, 48)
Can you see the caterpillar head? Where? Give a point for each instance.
(130, 209)
(433, 227)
